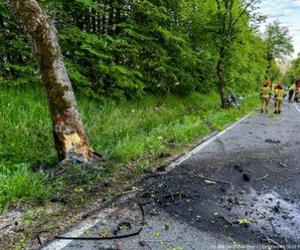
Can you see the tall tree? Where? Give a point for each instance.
(122, 49)
(71, 141)
(292, 72)
(279, 44)
(229, 14)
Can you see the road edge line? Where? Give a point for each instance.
(76, 231)
(205, 143)
(82, 227)
(296, 107)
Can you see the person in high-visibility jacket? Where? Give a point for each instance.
(297, 91)
(279, 95)
(265, 96)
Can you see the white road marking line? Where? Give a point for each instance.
(77, 231)
(88, 223)
(204, 144)
(294, 104)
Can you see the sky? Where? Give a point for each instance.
(288, 13)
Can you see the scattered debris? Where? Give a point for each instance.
(210, 182)
(124, 226)
(215, 180)
(104, 222)
(156, 234)
(162, 168)
(104, 233)
(282, 164)
(243, 221)
(271, 241)
(164, 155)
(246, 177)
(262, 178)
(273, 141)
(239, 168)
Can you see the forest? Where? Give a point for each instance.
(151, 78)
(122, 50)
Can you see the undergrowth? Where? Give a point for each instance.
(139, 131)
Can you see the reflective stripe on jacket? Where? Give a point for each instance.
(279, 93)
(266, 92)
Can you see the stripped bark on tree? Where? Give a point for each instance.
(71, 141)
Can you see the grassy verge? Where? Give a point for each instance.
(135, 133)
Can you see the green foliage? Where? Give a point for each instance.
(20, 115)
(142, 52)
(16, 64)
(246, 66)
(293, 72)
(165, 58)
(18, 182)
(122, 49)
(278, 46)
(278, 41)
(123, 132)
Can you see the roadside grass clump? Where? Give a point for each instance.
(139, 131)
(25, 127)
(18, 182)
(146, 127)
(218, 120)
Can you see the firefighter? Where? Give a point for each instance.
(265, 96)
(297, 91)
(279, 95)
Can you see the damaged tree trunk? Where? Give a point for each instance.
(71, 141)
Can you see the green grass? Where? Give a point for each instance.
(18, 181)
(137, 130)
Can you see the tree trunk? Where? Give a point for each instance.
(71, 141)
(221, 82)
(268, 70)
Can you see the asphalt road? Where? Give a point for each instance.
(240, 191)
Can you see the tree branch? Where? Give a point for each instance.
(252, 2)
(218, 5)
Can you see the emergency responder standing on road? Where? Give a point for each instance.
(279, 95)
(297, 91)
(265, 96)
